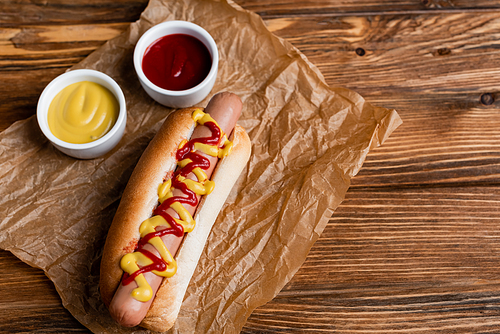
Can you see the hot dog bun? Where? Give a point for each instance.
(140, 198)
(166, 306)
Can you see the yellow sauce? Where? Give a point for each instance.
(133, 262)
(82, 112)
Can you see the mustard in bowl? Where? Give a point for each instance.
(82, 113)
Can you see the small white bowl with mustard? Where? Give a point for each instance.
(82, 113)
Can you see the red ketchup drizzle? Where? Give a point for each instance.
(176, 62)
(185, 152)
(156, 265)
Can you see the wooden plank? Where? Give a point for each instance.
(95, 11)
(286, 8)
(49, 42)
(442, 53)
(28, 12)
(30, 303)
(411, 260)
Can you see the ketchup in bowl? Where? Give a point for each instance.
(176, 62)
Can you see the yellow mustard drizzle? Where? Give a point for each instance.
(133, 262)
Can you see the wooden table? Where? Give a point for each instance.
(414, 248)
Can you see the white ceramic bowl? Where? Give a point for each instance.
(95, 148)
(172, 98)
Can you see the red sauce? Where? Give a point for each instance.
(185, 152)
(176, 62)
(156, 265)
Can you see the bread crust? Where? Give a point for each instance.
(167, 303)
(139, 200)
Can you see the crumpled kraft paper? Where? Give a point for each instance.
(308, 141)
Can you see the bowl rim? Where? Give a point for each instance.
(74, 76)
(144, 42)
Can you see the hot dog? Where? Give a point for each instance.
(159, 199)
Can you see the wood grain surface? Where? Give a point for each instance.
(414, 248)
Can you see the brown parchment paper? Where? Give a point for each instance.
(308, 139)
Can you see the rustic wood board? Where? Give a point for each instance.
(414, 247)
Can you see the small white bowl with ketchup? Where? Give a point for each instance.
(82, 113)
(176, 63)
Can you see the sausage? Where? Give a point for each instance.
(225, 109)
